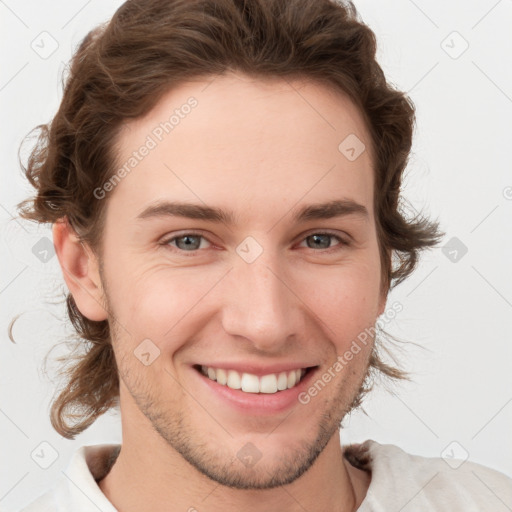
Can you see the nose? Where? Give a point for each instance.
(259, 305)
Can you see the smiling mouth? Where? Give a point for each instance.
(250, 383)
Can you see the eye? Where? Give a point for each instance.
(187, 242)
(321, 241)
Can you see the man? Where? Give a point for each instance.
(222, 178)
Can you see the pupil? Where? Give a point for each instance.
(188, 243)
(317, 237)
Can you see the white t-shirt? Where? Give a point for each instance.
(400, 482)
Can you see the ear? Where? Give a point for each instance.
(80, 269)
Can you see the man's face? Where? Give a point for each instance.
(262, 295)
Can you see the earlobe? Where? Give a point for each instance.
(80, 271)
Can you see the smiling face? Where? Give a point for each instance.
(275, 283)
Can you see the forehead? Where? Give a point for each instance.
(246, 143)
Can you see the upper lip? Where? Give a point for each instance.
(257, 369)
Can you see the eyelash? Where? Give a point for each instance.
(342, 242)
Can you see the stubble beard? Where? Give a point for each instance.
(220, 463)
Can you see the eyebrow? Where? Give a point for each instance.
(318, 211)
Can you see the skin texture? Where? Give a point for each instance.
(262, 149)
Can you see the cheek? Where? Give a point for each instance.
(162, 301)
(346, 299)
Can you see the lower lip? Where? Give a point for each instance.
(258, 403)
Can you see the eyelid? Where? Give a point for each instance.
(334, 233)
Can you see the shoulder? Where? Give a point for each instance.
(413, 482)
(44, 503)
(76, 487)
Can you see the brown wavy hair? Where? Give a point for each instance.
(123, 67)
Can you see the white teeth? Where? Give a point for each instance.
(249, 383)
(268, 384)
(291, 379)
(234, 380)
(222, 376)
(282, 381)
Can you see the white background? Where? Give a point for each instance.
(460, 312)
